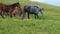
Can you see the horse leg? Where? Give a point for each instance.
(23, 14)
(28, 16)
(36, 16)
(7, 12)
(14, 15)
(11, 15)
(2, 15)
(19, 14)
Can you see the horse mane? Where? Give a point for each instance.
(14, 5)
(36, 6)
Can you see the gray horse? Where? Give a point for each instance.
(32, 10)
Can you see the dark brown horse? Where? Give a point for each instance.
(8, 8)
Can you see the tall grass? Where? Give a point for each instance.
(48, 24)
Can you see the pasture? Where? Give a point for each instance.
(48, 24)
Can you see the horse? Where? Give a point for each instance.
(16, 8)
(9, 8)
(32, 10)
(16, 11)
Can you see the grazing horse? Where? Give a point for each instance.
(8, 8)
(32, 10)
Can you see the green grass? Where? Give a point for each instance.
(48, 24)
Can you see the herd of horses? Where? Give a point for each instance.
(15, 8)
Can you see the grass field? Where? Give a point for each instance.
(48, 24)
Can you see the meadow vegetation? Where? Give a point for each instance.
(48, 24)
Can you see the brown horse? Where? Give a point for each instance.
(8, 8)
(16, 11)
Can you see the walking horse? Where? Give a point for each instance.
(9, 8)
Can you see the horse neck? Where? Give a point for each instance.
(13, 5)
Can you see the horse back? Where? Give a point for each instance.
(4, 6)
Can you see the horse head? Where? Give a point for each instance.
(15, 5)
(18, 4)
(42, 11)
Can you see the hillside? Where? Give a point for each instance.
(48, 24)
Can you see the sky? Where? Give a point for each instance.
(53, 2)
